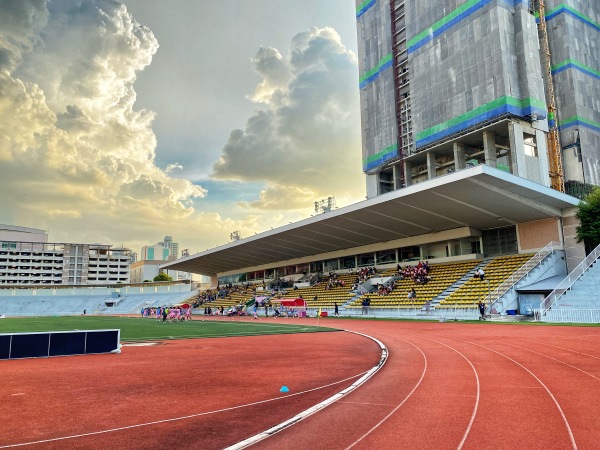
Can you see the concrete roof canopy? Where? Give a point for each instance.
(480, 197)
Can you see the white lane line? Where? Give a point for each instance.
(174, 419)
(318, 407)
(550, 357)
(562, 348)
(474, 413)
(562, 414)
(401, 403)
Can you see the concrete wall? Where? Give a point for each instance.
(467, 72)
(574, 36)
(376, 81)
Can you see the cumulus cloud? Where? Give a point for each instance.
(303, 141)
(75, 156)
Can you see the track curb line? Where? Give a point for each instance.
(319, 406)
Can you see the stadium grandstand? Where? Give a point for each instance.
(518, 232)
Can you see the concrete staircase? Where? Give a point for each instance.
(584, 293)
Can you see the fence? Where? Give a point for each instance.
(567, 315)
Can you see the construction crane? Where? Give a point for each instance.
(557, 180)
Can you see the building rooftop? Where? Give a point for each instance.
(480, 197)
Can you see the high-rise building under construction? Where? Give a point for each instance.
(446, 84)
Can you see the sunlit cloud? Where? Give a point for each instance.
(78, 158)
(303, 140)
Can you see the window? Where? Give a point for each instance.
(386, 257)
(331, 264)
(366, 259)
(410, 253)
(348, 262)
(529, 146)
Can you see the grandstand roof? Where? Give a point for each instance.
(480, 197)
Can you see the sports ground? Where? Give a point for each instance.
(433, 385)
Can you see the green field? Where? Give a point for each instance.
(138, 329)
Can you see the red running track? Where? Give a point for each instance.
(445, 385)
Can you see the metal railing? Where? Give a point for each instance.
(521, 272)
(566, 284)
(567, 315)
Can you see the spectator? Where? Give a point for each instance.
(481, 307)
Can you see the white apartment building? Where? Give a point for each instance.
(36, 262)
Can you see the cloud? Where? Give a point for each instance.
(19, 21)
(303, 141)
(75, 156)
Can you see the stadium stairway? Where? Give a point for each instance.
(583, 294)
(459, 283)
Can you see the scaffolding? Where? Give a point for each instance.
(557, 180)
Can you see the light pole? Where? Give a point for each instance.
(489, 295)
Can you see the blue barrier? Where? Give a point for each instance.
(58, 343)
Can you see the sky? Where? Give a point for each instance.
(123, 122)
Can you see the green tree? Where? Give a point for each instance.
(163, 277)
(589, 217)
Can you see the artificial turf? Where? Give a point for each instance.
(138, 329)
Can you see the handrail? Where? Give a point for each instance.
(570, 279)
(520, 273)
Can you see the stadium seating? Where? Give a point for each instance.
(56, 305)
(442, 277)
(474, 290)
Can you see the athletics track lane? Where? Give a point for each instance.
(197, 378)
(526, 400)
(527, 378)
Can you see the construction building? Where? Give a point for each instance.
(449, 84)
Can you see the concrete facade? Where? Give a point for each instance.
(574, 35)
(434, 75)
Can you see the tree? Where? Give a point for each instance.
(589, 218)
(162, 277)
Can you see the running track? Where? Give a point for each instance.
(444, 386)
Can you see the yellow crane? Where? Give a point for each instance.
(557, 180)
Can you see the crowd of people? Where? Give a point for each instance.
(168, 313)
(419, 273)
(222, 292)
(385, 289)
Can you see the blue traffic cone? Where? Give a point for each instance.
(284, 389)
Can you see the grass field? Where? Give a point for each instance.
(138, 329)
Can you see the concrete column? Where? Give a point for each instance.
(407, 173)
(397, 170)
(515, 133)
(431, 166)
(574, 251)
(542, 147)
(372, 185)
(460, 161)
(489, 148)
